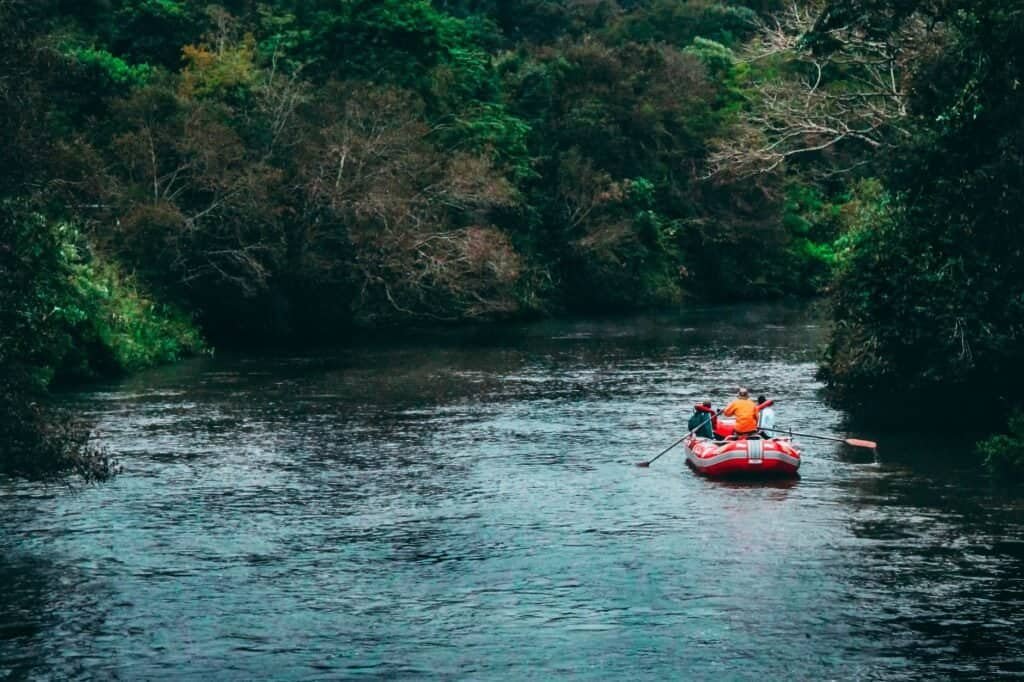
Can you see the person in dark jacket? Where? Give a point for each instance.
(702, 422)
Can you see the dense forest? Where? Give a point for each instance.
(179, 174)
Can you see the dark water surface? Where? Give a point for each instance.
(466, 507)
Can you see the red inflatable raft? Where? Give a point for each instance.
(744, 457)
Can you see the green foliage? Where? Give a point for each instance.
(641, 193)
(400, 41)
(290, 167)
(933, 297)
(114, 69)
(113, 314)
(679, 22)
(730, 74)
(36, 442)
(862, 252)
(229, 73)
(491, 129)
(77, 315)
(1004, 453)
(151, 31)
(813, 222)
(716, 57)
(34, 284)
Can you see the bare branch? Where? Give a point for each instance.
(853, 94)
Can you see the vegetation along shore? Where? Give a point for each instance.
(180, 175)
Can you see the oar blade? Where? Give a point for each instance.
(644, 465)
(858, 443)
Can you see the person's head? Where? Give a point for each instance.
(706, 403)
(761, 399)
(744, 393)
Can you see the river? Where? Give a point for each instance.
(465, 505)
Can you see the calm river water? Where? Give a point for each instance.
(466, 506)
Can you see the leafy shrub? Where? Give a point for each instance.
(812, 221)
(81, 317)
(678, 22)
(132, 330)
(1004, 453)
(112, 68)
(65, 313)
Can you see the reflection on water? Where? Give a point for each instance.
(465, 505)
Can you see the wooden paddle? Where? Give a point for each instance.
(652, 460)
(855, 442)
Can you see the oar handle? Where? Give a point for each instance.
(855, 442)
(807, 435)
(654, 459)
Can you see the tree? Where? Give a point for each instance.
(821, 89)
(392, 199)
(933, 297)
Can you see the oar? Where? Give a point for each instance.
(855, 442)
(651, 461)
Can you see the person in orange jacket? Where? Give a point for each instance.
(745, 411)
